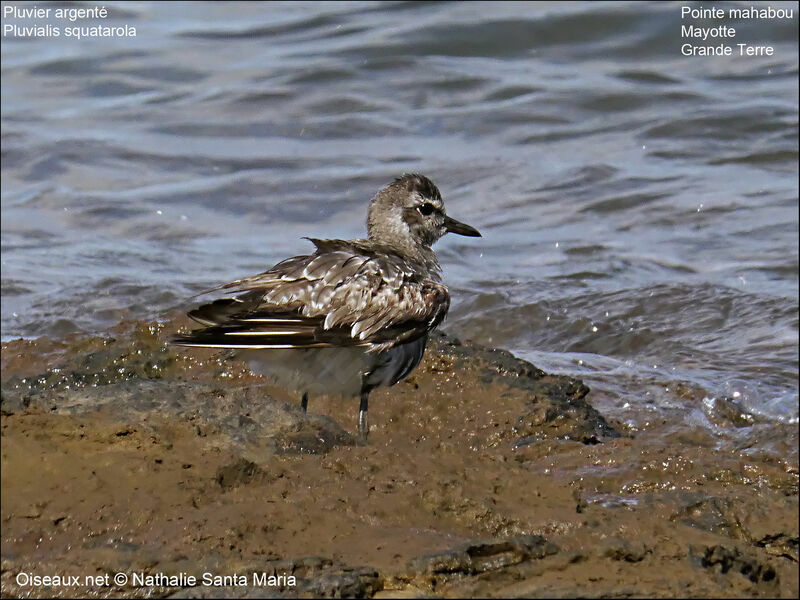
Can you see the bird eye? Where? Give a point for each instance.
(426, 209)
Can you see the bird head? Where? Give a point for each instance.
(409, 213)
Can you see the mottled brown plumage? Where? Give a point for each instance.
(379, 296)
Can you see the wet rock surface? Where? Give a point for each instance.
(483, 476)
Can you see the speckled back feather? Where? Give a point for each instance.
(348, 293)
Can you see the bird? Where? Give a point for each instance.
(353, 315)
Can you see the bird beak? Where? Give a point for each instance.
(460, 228)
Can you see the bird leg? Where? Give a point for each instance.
(304, 402)
(363, 425)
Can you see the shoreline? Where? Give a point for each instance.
(483, 476)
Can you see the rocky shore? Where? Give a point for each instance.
(483, 476)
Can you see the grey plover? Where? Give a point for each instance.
(352, 316)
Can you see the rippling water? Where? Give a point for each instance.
(639, 207)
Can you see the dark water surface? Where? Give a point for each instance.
(639, 207)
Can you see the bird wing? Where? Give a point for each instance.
(342, 295)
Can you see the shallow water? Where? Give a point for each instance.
(639, 207)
